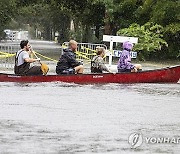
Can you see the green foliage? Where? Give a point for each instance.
(172, 35)
(172, 28)
(150, 37)
(7, 10)
(103, 16)
(166, 12)
(143, 11)
(120, 14)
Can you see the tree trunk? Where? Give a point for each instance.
(47, 34)
(97, 31)
(64, 30)
(87, 36)
(107, 26)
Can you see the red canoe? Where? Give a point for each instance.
(165, 75)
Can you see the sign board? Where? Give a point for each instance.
(120, 39)
(117, 53)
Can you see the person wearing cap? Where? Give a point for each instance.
(23, 61)
(67, 63)
(124, 63)
(97, 63)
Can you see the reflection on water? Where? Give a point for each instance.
(70, 118)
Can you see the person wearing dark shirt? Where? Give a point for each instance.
(67, 63)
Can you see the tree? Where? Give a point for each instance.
(85, 15)
(166, 13)
(7, 10)
(91, 16)
(150, 38)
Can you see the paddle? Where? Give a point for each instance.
(44, 67)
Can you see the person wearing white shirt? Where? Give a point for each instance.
(23, 60)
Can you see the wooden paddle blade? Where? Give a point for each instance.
(44, 68)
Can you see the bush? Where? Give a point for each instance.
(150, 38)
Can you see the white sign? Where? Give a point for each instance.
(120, 39)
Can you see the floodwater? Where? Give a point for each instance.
(72, 118)
(67, 118)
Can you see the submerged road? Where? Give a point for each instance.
(70, 118)
(62, 118)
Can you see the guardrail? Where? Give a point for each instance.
(7, 53)
(85, 51)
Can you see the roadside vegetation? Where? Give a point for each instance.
(155, 22)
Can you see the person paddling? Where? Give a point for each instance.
(23, 61)
(124, 63)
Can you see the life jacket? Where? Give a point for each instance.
(95, 67)
(21, 69)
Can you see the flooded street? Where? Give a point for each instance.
(68, 118)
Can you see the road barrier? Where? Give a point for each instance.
(7, 53)
(85, 51)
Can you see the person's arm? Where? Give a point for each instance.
(128, 63)
(28, 59)
(102, 65)
(72, 60)
(31, 60)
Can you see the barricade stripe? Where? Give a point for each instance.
(46, 57)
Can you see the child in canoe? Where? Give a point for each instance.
(97, 63)
(124, 63)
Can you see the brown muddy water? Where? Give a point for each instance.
(62, 118)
